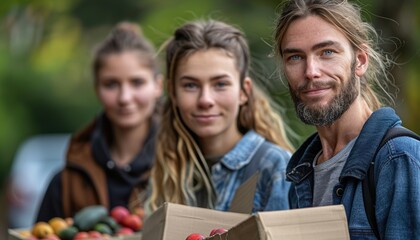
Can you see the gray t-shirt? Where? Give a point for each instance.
(327, 173)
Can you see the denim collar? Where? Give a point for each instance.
(359, 158)
(368, 141)
(243, 151)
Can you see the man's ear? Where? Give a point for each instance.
(362, 60)
(246, 90)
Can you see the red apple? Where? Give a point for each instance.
(132, 221)
(195, 236)
(95, 234)
(119, 213)
(81, 235)
(217, 231)
(51, 237)
(124, 231)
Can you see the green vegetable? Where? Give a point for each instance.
(86, 218)
(103, 228)
(68, 233)
(110, 221)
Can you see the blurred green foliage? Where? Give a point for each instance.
(46, 46)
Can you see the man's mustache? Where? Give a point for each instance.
(310, 85)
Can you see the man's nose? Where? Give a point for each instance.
(312, 70)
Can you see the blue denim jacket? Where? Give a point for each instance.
(272, 187)
(397, 178)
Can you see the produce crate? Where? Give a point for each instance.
(14, 235)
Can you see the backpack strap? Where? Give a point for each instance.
(368, 183)
(253, 165)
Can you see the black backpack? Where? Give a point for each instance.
(368, 183)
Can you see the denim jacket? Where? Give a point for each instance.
(272, 187)
(397, 180)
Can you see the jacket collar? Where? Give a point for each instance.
(93, 137)
(368, 141)
(243, 151)
(300, 165)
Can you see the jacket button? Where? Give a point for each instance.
(110, 164)
(339, 192)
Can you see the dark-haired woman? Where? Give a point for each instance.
(108, 162)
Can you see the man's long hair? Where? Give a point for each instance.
(346, 17)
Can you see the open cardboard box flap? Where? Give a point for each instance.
(175, 221)
(327, 222)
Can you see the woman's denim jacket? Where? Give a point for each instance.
(272, 187)
(397, 180)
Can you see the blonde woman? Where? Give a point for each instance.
(215, 123)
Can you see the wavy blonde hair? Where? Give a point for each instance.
(346, 17)
(180, 170)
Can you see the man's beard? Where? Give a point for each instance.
(325, 116)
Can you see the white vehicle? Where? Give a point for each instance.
(37, 160)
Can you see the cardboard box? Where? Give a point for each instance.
(175, 222)
(327, 222)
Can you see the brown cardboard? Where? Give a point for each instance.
(243, 200)
(175, 222)
(327, 222)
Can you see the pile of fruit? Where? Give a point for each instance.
(198, 236)
(93, 222)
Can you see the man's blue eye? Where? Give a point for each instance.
(328, 52)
